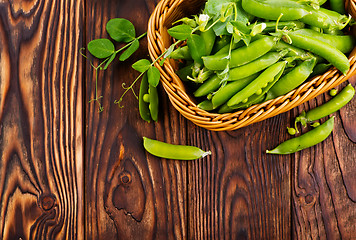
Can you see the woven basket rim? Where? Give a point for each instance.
(186, 105)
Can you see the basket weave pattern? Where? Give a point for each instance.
(168, 11)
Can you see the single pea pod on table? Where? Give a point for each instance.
(333, 105)
(308, 139)
(172, 151)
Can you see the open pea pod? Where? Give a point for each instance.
(270, 75)
(148, 100)
(259, 95)
(154, 102)
(292, 79)
(143, 105)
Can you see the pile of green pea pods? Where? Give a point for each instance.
(251, 51)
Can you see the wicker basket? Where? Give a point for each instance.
(168, 11)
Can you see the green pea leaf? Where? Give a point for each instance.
(180, 32)
(187, 21)
(220, 28)
(229, 28)
(101, 48)
(257, 28)
(110, 60)
(141, 65)
(226, 11)
(220, 8)
(121, 30)
(130, 50)
(241, 27)
(246, 39)
(153, 75)
(214, 7)
(197, 48)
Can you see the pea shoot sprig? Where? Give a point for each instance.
(122, 31)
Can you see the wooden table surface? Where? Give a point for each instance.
(70, 172)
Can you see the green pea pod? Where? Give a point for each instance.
(209, 39)
(220, 42)
(171, 151)
(142, 105)
(260, 95)
(292, 79)
(230, 89)
(184, 72)
(319, 69)
(344, 43)
(225, 109)
(261, 81)
(256, 66)
(251, 52)
(292, 51)
(325, 18)
(334, 32)
(206, 105)
(338, 6)
(271, 26)
(337, 102)
(208, 86)
(272, 9)
(154, 102)
(326, 51)
(225, 50)
(306, 140)
(197, 47)
(181, 53)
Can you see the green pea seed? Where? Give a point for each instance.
(333, 92)
(291, 131)
(146, 98)
(259, 92)
(316, 124)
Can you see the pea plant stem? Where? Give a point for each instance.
(139, 76)
(99, 67)
(130, 43)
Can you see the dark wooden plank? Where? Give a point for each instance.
(41, 125)
(240, 192)
(129, 194)
(324, 190)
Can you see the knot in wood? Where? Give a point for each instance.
(47, 202)
(309, 199)
(125, 177)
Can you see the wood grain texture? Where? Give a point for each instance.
(41, 141)
(129, 194)
(324, 190)
(240, 192)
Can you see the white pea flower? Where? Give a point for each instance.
(203, 21)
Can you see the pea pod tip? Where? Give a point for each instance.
(207, 153)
